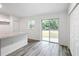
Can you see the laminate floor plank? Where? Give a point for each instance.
(41, 48)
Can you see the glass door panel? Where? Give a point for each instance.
(50, 30)
(53, 36)
(45, 30)
(54, 30)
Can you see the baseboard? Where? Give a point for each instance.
(32, 40)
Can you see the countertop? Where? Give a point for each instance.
(11, 34)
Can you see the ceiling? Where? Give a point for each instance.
(32, 9)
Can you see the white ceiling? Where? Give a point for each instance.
(32, 9)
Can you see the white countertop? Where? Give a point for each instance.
(11, 34)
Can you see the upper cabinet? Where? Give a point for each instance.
(4, 19)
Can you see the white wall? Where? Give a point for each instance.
(5, 27)
(13, 26)
(74, 32)
(35, 33)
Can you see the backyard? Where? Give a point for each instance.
(53, 36)
(50, 30)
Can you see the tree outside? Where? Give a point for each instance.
(52, 25)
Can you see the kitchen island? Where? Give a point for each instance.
(10, 42)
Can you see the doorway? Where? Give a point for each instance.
(50, 30)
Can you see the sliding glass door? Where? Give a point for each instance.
(45, 29)
(53, 30)
(50, 30)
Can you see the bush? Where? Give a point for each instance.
(50, 24)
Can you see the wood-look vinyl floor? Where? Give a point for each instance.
(41, 48)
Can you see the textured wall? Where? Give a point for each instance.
(74, 31)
